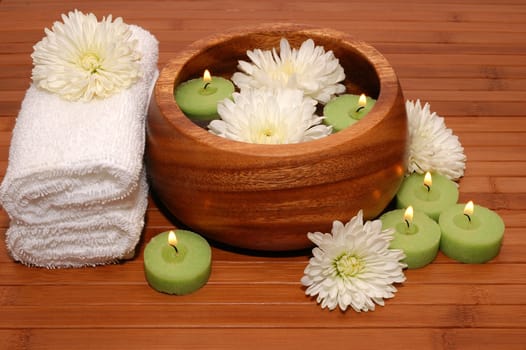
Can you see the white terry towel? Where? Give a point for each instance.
(72, 160)
(104, 238)
(65, 155)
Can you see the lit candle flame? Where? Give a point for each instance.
(362, 101)
(469, 208)
(428, 180)
(207, 77)
(172, 239)
(408, 215)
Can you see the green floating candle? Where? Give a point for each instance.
(415, 233)
(471, 234)
(346, 110)
(431, 194)
(177, 267)
(198, 98)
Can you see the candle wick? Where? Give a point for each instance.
(469, 218)
(428, 187)
(407, 223)
(359, 108)
(176, 250)
(206, 84)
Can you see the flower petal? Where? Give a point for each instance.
(353, 266)
(82, 59)
(310, 69)
(432, 146)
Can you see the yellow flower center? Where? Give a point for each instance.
(265, 135)
(90, 62)
(348, 265)
(288, 68)
(283, 72)
(268, 132)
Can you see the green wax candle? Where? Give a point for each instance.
(439, 194)
(419, 240)
(177, 272)
(345, 110)
(472, 238)
(198, 98)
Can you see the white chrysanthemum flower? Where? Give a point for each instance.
(310, 69)
(432, 146)
(353, 265)
(81, 58)
(268, 116)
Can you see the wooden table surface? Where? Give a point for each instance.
(467, 58)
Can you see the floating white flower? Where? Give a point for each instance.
(432, 146)
(81, 58)
(353, 265)
(268, 116)
(310, 69)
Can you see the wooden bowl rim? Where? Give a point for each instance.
(172, 113)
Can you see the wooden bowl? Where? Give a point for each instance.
(267, 197)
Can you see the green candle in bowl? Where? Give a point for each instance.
(198, 98)
(345, 110)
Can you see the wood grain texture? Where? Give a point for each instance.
(467, 58)
(266, 197)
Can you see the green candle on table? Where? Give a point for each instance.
(471, 233)
(198, 98)
(345, 110)
(415, 233)
(177, 262)
(431, 194)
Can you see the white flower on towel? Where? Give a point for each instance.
(432, 146)
(82, 58)
(310, 69)
(353, 265)
(268, 116)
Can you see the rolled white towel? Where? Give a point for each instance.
(66, 159)
(92, 240)
(75, 187)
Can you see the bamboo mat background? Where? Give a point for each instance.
(467, 58)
